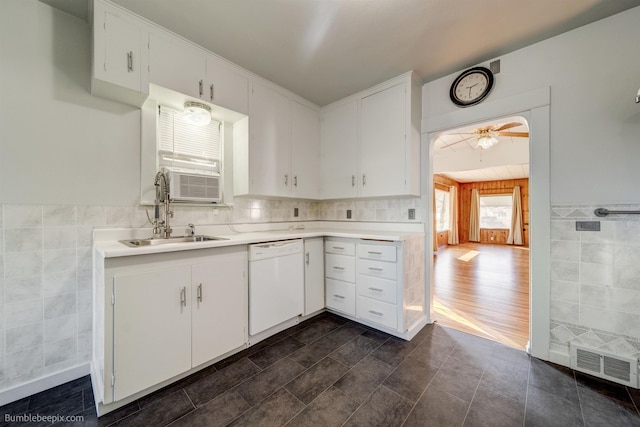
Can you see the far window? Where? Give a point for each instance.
(442, 210)
(495, 211)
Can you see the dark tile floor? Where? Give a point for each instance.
(328, 371)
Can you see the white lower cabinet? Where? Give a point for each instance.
(151, 329)
(163, 315)
(378, 283)
(313, 275)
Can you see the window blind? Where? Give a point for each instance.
(183, 145)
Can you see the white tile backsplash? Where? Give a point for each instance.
(599, 308)
(46, 267)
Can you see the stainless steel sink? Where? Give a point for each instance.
(152, 241)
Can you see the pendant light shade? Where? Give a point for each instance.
(197, 113)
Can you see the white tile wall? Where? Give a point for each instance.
(595, 280)
(46, 268)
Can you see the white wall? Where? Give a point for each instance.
(594, 74)
(59, 144)
(590, 280)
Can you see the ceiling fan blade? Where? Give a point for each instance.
(507, 126)
(515, 134)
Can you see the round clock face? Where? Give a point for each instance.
(471, 87)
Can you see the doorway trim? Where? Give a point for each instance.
(534, 106)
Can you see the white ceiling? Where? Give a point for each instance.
(325, 50)
(456, 156)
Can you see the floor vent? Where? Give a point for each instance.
(619, 369)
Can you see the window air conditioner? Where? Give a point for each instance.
(194, 187)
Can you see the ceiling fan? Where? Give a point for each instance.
(487, 136)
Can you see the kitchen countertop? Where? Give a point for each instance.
(106, 241)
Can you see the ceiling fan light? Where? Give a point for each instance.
(197, 113)
(486, 142)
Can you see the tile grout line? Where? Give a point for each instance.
(429, 383)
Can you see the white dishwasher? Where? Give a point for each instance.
(276, 283)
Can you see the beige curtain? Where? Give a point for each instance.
(453, 216)
(474, 216)
(433, 212)
(515, 232)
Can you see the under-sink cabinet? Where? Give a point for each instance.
(159, 316)
(377, 283)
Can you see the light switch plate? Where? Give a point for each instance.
(412, 214)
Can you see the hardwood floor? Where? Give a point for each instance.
(484, 290)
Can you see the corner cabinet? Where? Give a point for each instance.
(370, 142)
(280, 156)
(119, 67)
(157, 317)
(377, 283)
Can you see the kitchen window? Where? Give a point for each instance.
(495, 211)
(187, 147)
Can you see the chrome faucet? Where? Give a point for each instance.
(161, 227)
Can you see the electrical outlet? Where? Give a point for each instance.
(295, 212)
(348, 213)
(412, 214)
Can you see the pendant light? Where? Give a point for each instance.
(197, 113)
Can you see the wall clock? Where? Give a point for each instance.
(471, 86)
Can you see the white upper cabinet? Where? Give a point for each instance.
(383, 128)
(269, 142)
(225, 86)
(176, 65)
(339, 150)
(120, 57)
(371, 142)
(280, 156)
(305, 151)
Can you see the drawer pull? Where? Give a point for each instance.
(375, 269)
(377, 313)
(376, 289)
(340, 248)
(338, 268)
(374, 253)
(338, 296)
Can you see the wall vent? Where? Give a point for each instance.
(599, 363)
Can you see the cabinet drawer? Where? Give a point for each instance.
(377, 288)
(340, 267)
(378, 312)
(386, 270)
(379, 252)
(341, 296)
(337, 247)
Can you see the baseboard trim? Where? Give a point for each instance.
(44, 383)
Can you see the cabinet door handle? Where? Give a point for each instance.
(306, 258)
(200, 88)
(183, 296)
(211, 91)
(130, 61)
(375, 269)
(286, 180)
(295, 180)
(364, 179)
(377, 313)
(376, 289)
(353, 180)
(200, 292)
(338, 296)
